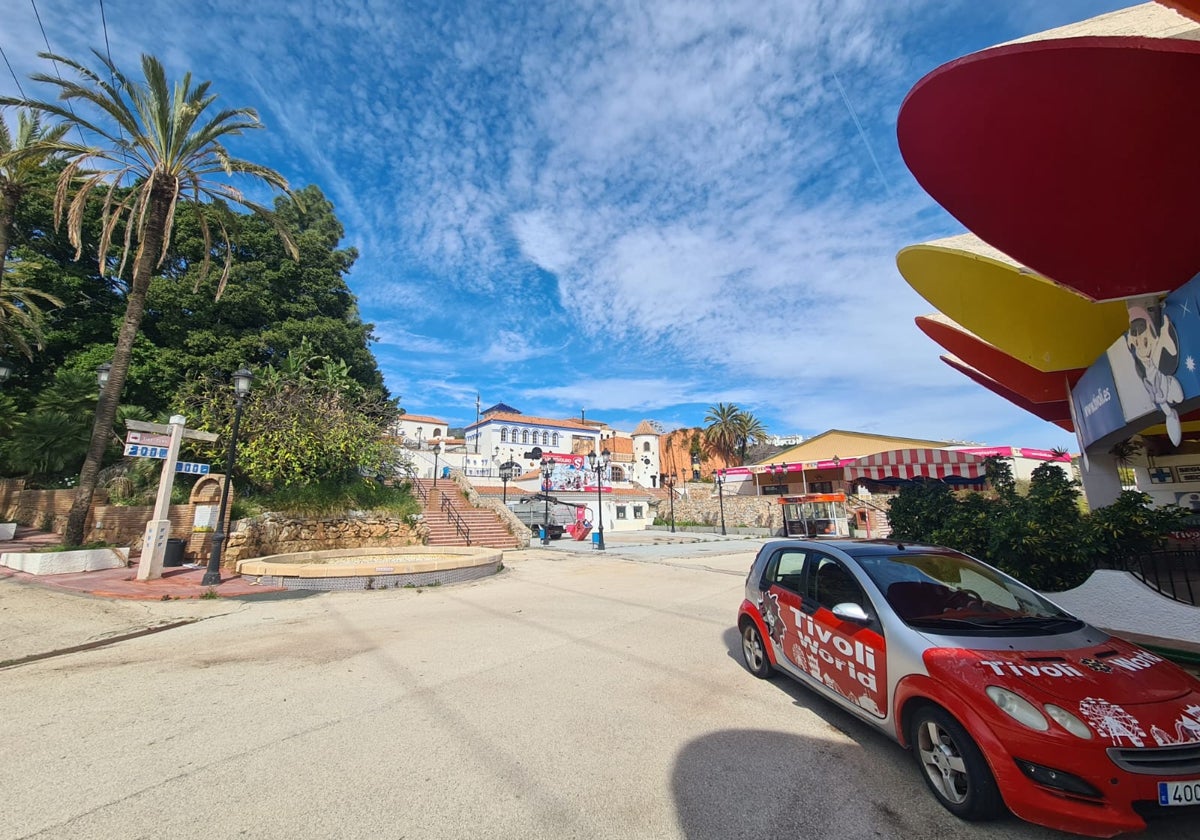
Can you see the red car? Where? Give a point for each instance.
(1005, 700)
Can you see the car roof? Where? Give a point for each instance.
(867, 548)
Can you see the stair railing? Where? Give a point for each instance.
(460, 526)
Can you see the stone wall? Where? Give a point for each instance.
(276, 533)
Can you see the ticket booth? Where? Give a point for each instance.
(815, 515)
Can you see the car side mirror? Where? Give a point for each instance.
(850, 611)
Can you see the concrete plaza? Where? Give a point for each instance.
(576, 694)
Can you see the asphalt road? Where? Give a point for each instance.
(575, 695)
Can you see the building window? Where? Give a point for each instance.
(774, 489)
(637, 512)
(646, 446)
(504, 435)
(821, 487)
(524, 436)
(621, 512)
(545, 438)
(556, 440)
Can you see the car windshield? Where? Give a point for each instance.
(952, 593)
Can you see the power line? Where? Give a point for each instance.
(55, 63)
(20, 90)
(111, 79)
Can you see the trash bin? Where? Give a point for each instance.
(174, 553)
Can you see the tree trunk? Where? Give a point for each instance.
(148, 251)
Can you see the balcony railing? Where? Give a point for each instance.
(1174, 573)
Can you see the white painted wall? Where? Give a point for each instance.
(1115, 600)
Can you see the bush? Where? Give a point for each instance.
(329, 497)
(1040, 537)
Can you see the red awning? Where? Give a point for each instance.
(917, 463)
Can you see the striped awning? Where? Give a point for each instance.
(916, 463)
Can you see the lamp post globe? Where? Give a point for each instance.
(242, 379)
(437, 450)
(102, 372)
(6, 369)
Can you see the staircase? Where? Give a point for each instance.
(451, 521)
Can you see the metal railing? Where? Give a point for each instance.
(460, 525)
(1174, 573)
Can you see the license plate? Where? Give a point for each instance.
(1179, 793)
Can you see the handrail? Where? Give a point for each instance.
(1173, 573)
(421, 491)
(456, 519)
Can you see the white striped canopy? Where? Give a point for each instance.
(916, 463)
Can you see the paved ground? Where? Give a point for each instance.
(578, 694)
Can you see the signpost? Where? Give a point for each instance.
(150, 439)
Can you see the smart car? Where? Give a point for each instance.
(1004, 699)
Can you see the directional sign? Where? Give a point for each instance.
(148, 438)
(163, 429)
(137, 450)
(189, 467)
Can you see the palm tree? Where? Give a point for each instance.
(721, 431)
(162, 144)
(750, 430)
(21, 157)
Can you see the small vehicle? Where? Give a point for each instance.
(1004, 699)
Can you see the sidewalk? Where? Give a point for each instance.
(175, 583)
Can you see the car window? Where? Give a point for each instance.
(786, 569)
(946, 590)
(832, 584)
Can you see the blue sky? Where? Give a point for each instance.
(631, 209)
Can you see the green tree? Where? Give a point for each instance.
(271, 305)
(722, 430)
(730, 431)
(22, 156)
(304, 423)
(166, 143)
(750, 430)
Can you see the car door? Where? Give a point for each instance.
(782, 601)
(848, 656)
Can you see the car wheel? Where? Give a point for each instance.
(755, 652)
(953, 766)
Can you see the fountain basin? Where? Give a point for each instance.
(373, 568)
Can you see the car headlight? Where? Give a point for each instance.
(1068, 721)
(1018, 708)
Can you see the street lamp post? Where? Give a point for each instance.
(547, 473)
(506, 474)
(599, 465)
(719, 477)
(669, 481)
(241, 387)
(437, 450)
